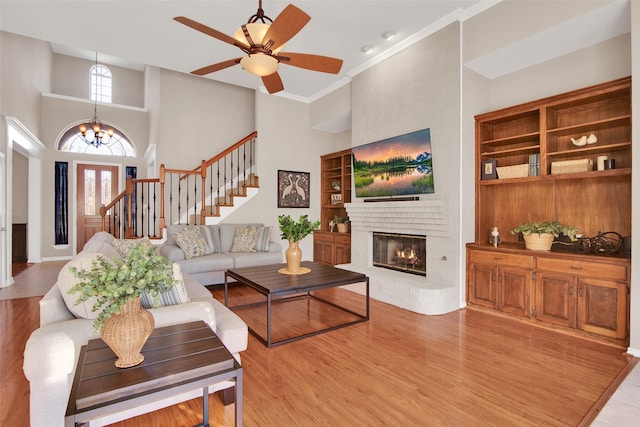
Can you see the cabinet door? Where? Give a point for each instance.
(342, 253)
(556, 299)
(602, 307)
(481, 286)
(514, 291)
(342, 248)
(323, 251)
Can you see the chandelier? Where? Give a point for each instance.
(93, 132)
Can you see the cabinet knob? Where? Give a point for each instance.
(580, 291)
(576, 268)
(570, 290)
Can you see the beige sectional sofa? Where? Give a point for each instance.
(227, 246)
(52, 350)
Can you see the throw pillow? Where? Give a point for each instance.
(66, 280)
(192, 243)
(176, 295)
(245, 239)
(123, 246)
(263, 238)
(206, 232)
(98, 241)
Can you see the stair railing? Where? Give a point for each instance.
(179, 196)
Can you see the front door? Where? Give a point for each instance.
(97, 185)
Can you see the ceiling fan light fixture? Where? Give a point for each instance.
(260, 64)
(256, 32)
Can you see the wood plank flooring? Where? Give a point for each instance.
(465, 368)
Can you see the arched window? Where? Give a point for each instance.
(72, 141)
(100, 87)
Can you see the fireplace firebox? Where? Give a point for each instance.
(402, 252)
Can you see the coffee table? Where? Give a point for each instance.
(278, 287)
(177, 359)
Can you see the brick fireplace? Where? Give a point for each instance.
(431, 292)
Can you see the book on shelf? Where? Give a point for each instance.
(534, 164)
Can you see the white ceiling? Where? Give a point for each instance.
(136, 32)
(132, 33)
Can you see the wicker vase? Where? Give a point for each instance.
(538, 242)
(126, 333)
(294, 256)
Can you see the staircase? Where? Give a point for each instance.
(203, 195)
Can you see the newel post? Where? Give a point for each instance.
(128, 232)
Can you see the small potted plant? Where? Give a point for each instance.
(117, 285)
(294, 231)
(342, 222)
(540, 235)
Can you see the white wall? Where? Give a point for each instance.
(20, 203)
(71, 77)
(286, 142)
(195, 118)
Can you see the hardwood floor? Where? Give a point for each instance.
(465, 368)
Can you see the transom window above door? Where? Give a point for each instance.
(117, 144)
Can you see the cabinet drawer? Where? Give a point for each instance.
(522, 261)
(342, 238)
(323, 237)
(584, 268)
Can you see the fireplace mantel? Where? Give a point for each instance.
(426, 216)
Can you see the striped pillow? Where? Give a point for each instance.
(176, 295)
(262, 239)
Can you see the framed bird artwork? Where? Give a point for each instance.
(293, 189)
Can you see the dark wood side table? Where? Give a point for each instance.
(177, 359)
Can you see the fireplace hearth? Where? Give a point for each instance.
(401, 252)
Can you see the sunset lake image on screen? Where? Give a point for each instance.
(401, 165)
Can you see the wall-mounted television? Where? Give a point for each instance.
(396, 166)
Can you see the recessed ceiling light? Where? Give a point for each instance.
(388, 35)
(367, 49)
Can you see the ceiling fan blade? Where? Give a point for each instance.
(325, 64)
(216, 67)
(286, 25)
(211, 32)
(273, 83)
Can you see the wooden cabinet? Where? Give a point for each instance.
(583, 293)
(590, 296)
(335, 190)
(500, 281)
(331, 247)
(578, 293)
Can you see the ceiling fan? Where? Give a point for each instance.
(262, 43)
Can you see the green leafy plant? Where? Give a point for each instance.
(115, 281)
(547, 227)
(338, 219)
(294, 231)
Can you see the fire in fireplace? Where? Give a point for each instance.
(402, 252)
